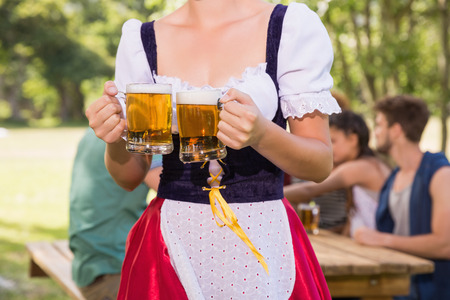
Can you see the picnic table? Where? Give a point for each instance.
(350, 269)
(354, 270)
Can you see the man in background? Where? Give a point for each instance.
(101, 215)
(413, 215)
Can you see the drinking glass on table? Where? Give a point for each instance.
(309, 215)
(198, 117)
(149, 118)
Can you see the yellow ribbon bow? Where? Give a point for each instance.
(229, 218)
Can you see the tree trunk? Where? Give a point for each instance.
(444, 65)
(370, 93)
(347, 81)
(346, 78)
(72, 101)
(13, 93)
(65, 102)
(77, 107)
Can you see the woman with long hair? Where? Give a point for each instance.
(356, 168)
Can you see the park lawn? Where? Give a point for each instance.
(35, 169)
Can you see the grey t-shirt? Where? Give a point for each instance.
(399, 208)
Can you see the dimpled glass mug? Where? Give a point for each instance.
(198, 117)
(309, 215)
(149, 118)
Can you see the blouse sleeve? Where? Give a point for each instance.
(304, 63)
(131, 61)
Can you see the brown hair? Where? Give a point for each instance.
(410, 112)
(350, 122)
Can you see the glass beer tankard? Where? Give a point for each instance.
(149, 118)
(309, 215)
(198, 117)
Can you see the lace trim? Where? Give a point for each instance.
(297, 106)
(178, 84)
(247, 74)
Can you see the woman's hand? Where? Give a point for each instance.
(104, 115)
(241, 124)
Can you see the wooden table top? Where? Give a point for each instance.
(369, 273)
(339, 255)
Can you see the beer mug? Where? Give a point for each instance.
(309, 215)
(149, 118)
(198, 117)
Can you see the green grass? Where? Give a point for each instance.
(35, 169)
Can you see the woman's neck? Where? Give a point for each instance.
(210, 14)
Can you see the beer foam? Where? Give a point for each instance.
(202, 97)
(141, 88)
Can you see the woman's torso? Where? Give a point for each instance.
(270, 84)
(366, 192)
(201, 64)
(365, 203)
(375, 174)
(203, 53)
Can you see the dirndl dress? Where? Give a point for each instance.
(176, 250)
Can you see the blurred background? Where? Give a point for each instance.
(55, 56)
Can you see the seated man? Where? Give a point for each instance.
(413, 215)
(101, 215)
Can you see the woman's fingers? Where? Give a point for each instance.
(104, 115)
(100, 110)
(231, 136)
(238, 127)
(238, 96)
(110, 89)
(114, 135)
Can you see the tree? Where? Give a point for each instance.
(444, 67)
(391, 47)
(66, 42)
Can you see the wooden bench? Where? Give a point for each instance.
(54, 259)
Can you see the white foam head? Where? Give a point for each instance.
(143, 88)
(202, 97)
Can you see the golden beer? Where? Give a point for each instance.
(149, 118)
(309, 215)
(198, 117)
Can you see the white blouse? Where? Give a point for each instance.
(213, 262)
(305, 57)
(363, 214)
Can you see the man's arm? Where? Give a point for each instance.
(435, 245)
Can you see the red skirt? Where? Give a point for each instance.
(147, 272)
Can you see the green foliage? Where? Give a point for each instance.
(5, 110)
(92, 88)
(60, 44)
(45, 97)
(384, 47)
(69, 46)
